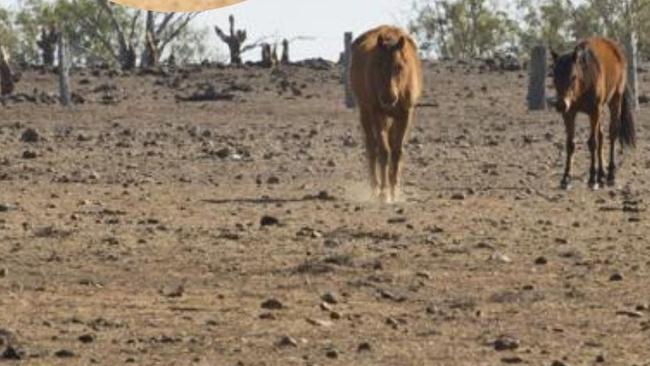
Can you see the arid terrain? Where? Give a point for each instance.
(142, 228)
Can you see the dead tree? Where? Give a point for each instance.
(537, 81)
(349, 97)
(126, 52)
(632, 60)
(235, 41)
(285, 52)
(161, 30)
(47, 44)
(269, 55)
(64, 71)
(6, 76)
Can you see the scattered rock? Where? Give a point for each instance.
(287, 341)
(11, 353)
(541, 261)
(28, 154)
(330, 298)
(5, 207)
(30, 135)
(267, 220)
(500, 257)
(173, 291)
(631, 314)
(458, 196)
(332, 353)
(616, 277)
(86, 338)
(512, 360)
(506, 343)
(364, 347)
(64, 353)
(3, 272)
(319, 323)
(272, 304)
(559, 363)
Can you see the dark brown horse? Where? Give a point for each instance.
(587, 79)
(386, 79)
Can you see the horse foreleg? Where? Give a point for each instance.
(384, 155)
(367, 122)
(570, 127)
(397, 136)
(593, 146)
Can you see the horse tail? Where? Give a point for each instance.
(626, 127)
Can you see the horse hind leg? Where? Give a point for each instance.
(615, 109)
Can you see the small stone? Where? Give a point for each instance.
(499, 257)
(631, 314)
(559, 363)
(319, 323)
(272, 304)
(504, 343)
(330, 298)
(364, 347)
(269, 221)
(541, 261)
(273, 180)
(616, 277)
(86, 338)
(512, 360)
(30, 135)
(10, 353)
(600, 359)
(5, 207)
(287, 341)
(28, 154)
(458, 196)
(332, 353)
(334, 315)
(64, 353)
(173, 291)
(3, 272)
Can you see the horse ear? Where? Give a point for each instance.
(400, 43)
(381, 41)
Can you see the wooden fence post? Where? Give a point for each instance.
(537, 81)
(349, 97)
(64, 72)
(632, 60)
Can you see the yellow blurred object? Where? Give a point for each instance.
(177, 5)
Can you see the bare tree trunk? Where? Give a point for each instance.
(632, 59)
(47, 44)
(149, 53)
(64, 72)
(285, 53)
(349, 97)
(6, 76)
(126, 55)
(266, 55)
(537, 82)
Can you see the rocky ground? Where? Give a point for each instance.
(222, 217)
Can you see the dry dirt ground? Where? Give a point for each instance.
(140, 229)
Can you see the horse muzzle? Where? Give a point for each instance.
(563, 105)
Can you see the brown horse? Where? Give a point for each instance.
(386, 79)
(587, 79)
